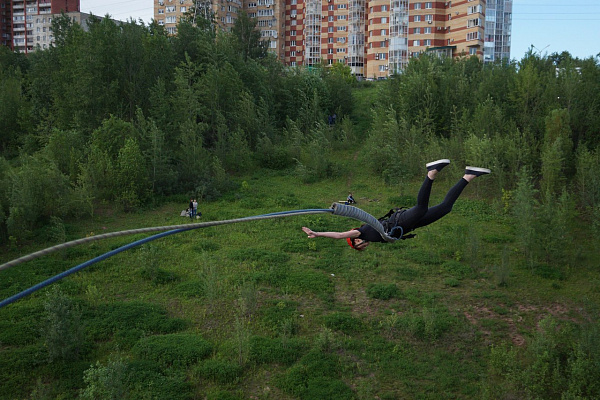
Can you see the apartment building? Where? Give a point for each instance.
(498, 27)
(5, 23)
(375, 38)
(26, 23)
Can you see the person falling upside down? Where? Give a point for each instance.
(413, 218)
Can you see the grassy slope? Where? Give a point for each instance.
(312, 302)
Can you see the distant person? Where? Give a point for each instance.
(195, 207)
(350, 199)
(403, 221)
(191, 208)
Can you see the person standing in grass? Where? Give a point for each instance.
(404, 221)
(195, 208)
(191, 208)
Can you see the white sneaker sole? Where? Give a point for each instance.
(444, 161)
(480, 170)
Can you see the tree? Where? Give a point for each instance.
(248, 37)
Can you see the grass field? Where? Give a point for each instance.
(257, 310)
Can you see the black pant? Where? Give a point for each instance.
(421, 215)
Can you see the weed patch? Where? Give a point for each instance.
(219, 371)
(382, 291)
(268, 350)
(173, 350)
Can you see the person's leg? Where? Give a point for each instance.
(442, 209)
(411, 216)
(437, 212)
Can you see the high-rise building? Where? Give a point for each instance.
(498, 27)
(30, 25)
(375, 38)
(5, 23)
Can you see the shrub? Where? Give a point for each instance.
(62, 329)
(343, 322)
(175, 349)
(315, 377)
(382, 291)
(105, 382)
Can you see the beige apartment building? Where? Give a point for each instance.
(375, 38)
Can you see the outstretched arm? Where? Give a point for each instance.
(333, 235)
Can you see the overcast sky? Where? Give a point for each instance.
(549, 25)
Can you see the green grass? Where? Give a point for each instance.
(257, 309)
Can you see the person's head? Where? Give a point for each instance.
(357, 244)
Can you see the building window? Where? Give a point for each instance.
(384, 8)
(417, 18)
(293, 53)
(382, 68)
(292, 33)
(427, 30)
(342, 17)
(329, 51)
(341, 50)
(161, 11)
(342, 6)
(474, 9)
(182, 9)
(330, 7)
(429, 17)
(427, 42)
(473, 51)
(342, 28)
(416, 42)
(171, 20)
(170, 9)
(330, 18)
(383, 32)
(473, 36)
(417, 31)
(417, 6)
(473, 22)
(330, 29)
(428, 5)
(292, 43)
(293, 63)
(330, 40)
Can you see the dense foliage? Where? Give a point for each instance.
(125, 117)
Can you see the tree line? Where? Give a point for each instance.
(125, 113)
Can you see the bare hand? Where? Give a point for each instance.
(311, 234)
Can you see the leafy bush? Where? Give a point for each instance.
(382, 291)
(174, 349)
(62, 331)
(315, 377)
(343, 322)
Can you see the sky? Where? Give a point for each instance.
(549, 25)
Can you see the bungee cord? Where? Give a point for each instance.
(336, 209)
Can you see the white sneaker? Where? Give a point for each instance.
(438, 165)
(477, 171)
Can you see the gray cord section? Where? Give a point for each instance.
(356, 213)
(66, 245)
